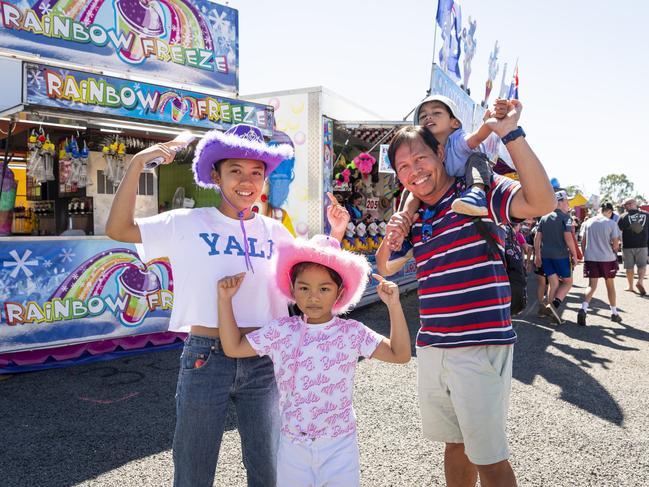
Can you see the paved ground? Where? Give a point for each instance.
(578, 413)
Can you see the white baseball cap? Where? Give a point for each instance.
(561, 195)
(442, 99)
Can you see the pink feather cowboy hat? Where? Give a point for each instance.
(239, 142)
(321, 249)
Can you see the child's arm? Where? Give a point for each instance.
(396, 349)
(480, 135)
(234, 344)
(338, 218)
(399, 227)
(409, 206)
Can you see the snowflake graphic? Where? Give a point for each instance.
(66, 255)
(20, 263)
(223, 44)
(47, 263)
(136, 86)
(45, 9)
(219, 24)
(34, 77)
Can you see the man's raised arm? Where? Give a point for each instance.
(536, 196)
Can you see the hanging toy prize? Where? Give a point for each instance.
(40, 161)
(114, 155)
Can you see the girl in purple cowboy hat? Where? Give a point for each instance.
(315, 356)
(204, 245)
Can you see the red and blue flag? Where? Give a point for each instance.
(513, 88)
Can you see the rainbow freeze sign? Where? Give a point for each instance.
(188, 41)
(105, 95)
(68, 291)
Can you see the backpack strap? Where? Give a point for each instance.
(491, 242)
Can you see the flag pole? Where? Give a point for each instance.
(432, 67)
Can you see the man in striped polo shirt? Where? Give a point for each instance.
(465, 340)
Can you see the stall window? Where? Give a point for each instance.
(145, 186)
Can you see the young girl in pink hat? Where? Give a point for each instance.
(315, 356)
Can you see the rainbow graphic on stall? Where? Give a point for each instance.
(178, 107)
(134, 282)
(194, 111)
(139, 19)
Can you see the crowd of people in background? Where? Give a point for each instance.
(554, 244)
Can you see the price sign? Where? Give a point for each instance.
(372, 204)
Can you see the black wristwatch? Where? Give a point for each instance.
(513, 135)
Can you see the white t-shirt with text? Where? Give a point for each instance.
(203, 245)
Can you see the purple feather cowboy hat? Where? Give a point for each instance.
(239, 142)
(321, 249)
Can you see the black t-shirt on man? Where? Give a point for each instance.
(635, 229)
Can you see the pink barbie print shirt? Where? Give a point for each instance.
(314, 368)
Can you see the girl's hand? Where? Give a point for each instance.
(229, 285)
(337, 215)
(166, 150)
(387, 291)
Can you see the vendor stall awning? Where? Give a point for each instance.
(577, 200)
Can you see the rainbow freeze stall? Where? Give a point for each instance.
(111, 78)
(340, 147)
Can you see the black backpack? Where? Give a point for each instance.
(514, 264)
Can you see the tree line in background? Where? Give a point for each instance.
(614, 188)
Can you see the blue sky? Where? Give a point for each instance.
(583, 68)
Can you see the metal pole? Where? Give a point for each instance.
(432, 67)
(413, 108)
(385, 136)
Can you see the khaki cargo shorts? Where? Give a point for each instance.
(464, 398)
(634, 257)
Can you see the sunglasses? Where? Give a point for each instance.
(427, 228)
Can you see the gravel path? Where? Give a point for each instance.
(578, 414)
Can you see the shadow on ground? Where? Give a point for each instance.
(64, 426)
(567, 366)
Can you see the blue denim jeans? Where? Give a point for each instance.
(206, 383)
